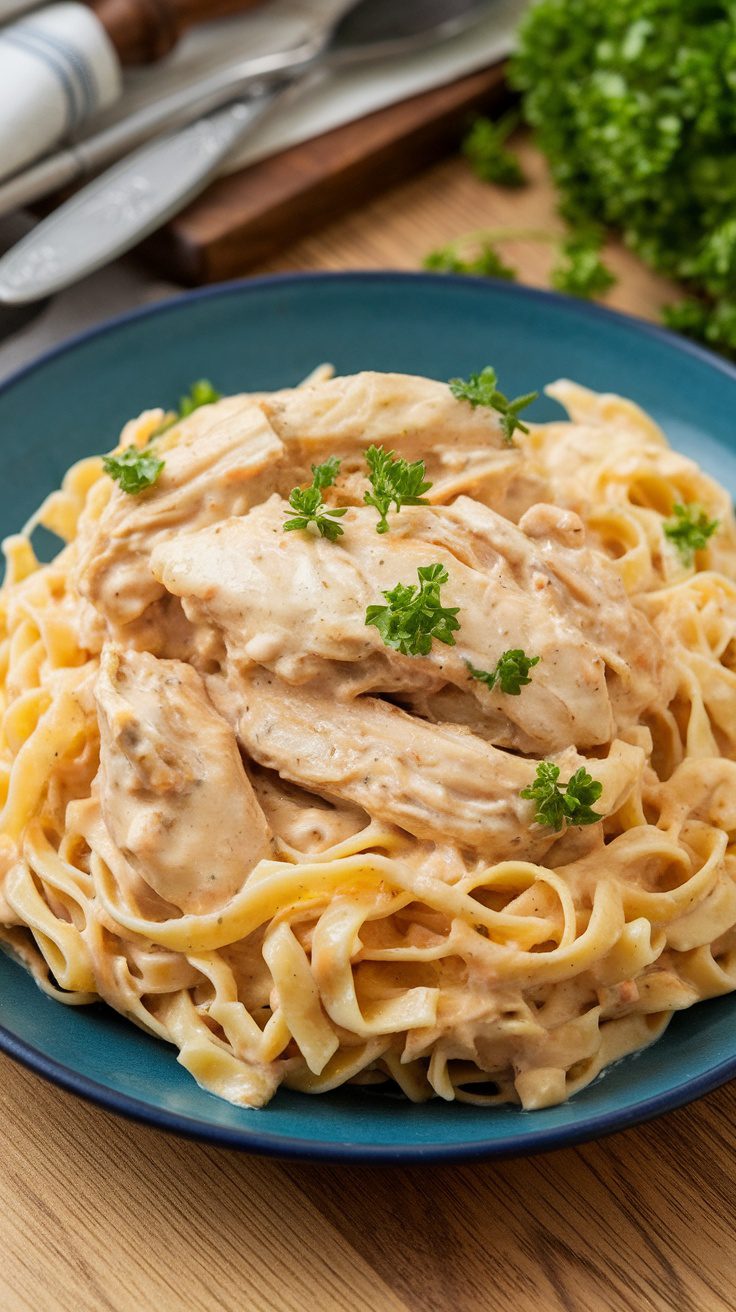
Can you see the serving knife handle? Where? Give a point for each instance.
(145, 30)
(120, 208)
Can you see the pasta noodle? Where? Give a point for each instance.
(302, 857)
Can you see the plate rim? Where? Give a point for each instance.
(344, 1150)
(580, 306)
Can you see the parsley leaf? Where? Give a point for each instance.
(485, 149)
(689, 529)
(415, 615)
(481, 389)
(312, 513)
(556, 808)
(486, 264)
(511, 671)
(394, 482)
(582, 271)
(134, 469)
(324, 475)
(200, 393)
(712, 323)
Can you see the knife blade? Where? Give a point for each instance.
(130, 201)
(174, 110)
(124, 205)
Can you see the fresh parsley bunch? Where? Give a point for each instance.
(634, 103)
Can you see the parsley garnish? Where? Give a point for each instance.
(394, 482)
(481, 389)
(200, 393)
(582, 272)
(324, 475)
(689, 530)
(311, 511)
(511, 671)
(486, 264)
(579, 271)
(556, 808)
(134, 469)
(485, 149)
(415, 615)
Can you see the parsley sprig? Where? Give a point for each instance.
(200, 393)
(415, 615)
(324, 475)
(311, 511)
(486, 151)
(511, 671)
(134, 469)
(394, 482)
(137, 468)
(689, 530)
(557, 808)
(482, 389)
(486, 263)
(581, 271)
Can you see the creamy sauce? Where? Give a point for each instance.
(172, 788)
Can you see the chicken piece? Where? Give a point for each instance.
(222, 465)
(173, 792)
(296, 604)
(436, 781)
(463, 447)
(227, 457)
(403, 411)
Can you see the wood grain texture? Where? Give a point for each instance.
(146, 30)
(398, 229)
(101, 1215)
(248, 216)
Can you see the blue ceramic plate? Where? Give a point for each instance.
(264, 334)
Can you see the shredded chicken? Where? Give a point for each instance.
(174, 795)
(436, 781)
(296, 605)
(227, 457)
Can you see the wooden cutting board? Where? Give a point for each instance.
(243, 219)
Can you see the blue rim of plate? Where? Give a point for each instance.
(286, 1146)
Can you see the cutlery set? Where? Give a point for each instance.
(173, 149)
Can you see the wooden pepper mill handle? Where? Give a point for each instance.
(145, 30)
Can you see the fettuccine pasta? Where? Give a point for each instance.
(480, 856)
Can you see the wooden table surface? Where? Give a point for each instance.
(102, 1215)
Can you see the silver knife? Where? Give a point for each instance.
(133, 199)
(179, 107)
(128, 202)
